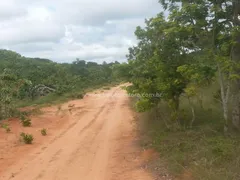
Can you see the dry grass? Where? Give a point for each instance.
(202, 152)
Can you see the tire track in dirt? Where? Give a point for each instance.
(92, 146)
(84, 145)
(68, 128)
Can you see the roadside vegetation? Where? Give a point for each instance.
(191, 59)
(26, 138)
(44, 132)
(6, 127)
(36, 82)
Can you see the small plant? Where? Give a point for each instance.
(6, 127)
(27, 138)
(44, 132)
(26, 122)
(8, 130)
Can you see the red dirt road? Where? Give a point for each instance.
(96, 140)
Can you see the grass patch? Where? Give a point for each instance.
(26, 138)
(42, 101)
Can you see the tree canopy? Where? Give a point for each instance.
(197, 44)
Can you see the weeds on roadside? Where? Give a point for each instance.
(6, 127)
(27, 138)
(44, 132)
(26, 122)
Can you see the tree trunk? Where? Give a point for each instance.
(193, 112)
(225, 93)
(176, 103)
(193, 116)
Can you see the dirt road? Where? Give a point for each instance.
(95, 140)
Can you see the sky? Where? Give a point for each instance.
(63, 30)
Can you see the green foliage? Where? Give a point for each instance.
(6, 127)
(26, 81)
(143, 105)
(44, 132)
(154, 65)
(182, 57)
(9, 86)
(65, 78)
(121, 71)
(26, 122)
(177, 55)
(27, 138)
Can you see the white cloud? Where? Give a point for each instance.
(63, 30)
(93, 52)
(9, 10)
(30, 31)
(41, 14)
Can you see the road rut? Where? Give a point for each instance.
(97, 143)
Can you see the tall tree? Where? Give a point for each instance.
(199, 38)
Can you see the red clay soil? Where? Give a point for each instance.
(89, 139)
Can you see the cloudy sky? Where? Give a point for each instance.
(63, 30)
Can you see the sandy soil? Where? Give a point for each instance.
(89, 139)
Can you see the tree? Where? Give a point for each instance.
(155, 61)
(218, 20)
(121, 71)
(200, 37)
(10, 85)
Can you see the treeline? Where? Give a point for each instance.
(196, 46)
(27, 79)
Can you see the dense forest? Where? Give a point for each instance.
(25, 79)
(192, 59)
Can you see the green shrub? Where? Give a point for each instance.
(26, 122)
(27, 138)
(44, 132)
(6, 127)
